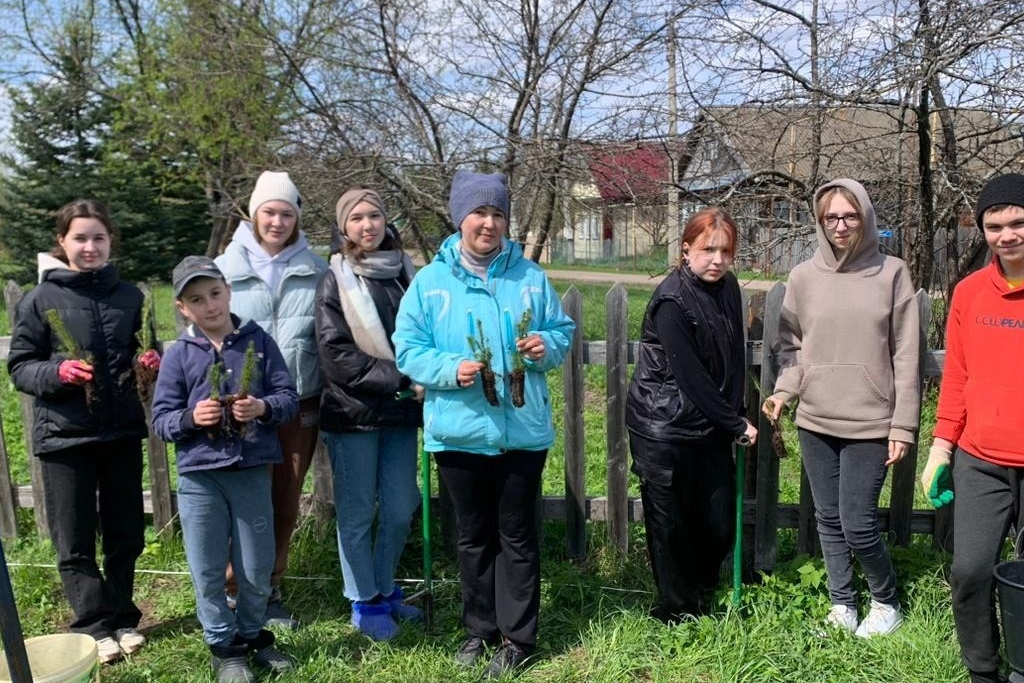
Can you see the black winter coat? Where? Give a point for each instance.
(689, 377)
(359, 389)
(102, 313)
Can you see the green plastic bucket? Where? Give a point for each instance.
(59, 658)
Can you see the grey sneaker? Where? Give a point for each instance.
(277, 614)
(471, 651)
(508, 660)
(230, 664)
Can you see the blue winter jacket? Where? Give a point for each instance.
(435, 319)
(286, 314)
(184, 381)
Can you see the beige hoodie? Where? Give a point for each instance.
(848, 341)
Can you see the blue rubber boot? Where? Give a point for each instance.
(400, 610)
(374, 619)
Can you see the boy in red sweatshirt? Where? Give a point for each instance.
(980, 414)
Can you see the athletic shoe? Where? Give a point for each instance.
(881, 620)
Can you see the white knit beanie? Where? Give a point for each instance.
(271, 186)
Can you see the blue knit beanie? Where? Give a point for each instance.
(472, 190)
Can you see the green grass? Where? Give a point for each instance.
(593, 615)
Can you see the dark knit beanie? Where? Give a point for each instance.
(472, 190)
(1004, 189)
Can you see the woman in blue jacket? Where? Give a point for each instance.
(477, 316)
(273, 275)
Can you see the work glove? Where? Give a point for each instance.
(74, 372)
(150, 359)
(937, 478)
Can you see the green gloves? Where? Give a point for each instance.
(937, 478)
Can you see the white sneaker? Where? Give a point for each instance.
(842, 616)
(108, 650)
(881, 620)
(129, 640)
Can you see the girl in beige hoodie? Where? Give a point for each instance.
(848, 349)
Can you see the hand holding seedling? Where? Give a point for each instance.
(150, 359)
(532, 347)
(74, 372)
(248, 409)
(772, 409)
(207, 413)
(467, 372)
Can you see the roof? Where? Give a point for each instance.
(628, 173)
(728, 144)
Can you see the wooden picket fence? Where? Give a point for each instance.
(763, 514)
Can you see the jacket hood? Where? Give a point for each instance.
(54, 270)
(48, 262)
(451, 254)
(866, 252)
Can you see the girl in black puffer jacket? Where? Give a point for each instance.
(88, 423)
(370, 432)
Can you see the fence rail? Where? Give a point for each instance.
(763, 514)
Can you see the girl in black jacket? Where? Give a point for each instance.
(88, 423)
(683, 410)
(370, 432)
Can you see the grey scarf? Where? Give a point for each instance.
(356, 302)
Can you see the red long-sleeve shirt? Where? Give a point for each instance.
(981, 402)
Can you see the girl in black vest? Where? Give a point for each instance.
(88, 423)
(683, 411)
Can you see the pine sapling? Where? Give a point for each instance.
(69, 348)
(249, 371)
(145, 376)
(482, 353)
(517, 379)
(215, 378)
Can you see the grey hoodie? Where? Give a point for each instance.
(848, 342)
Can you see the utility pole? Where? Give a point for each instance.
(672, 211)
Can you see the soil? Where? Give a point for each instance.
(489, 386)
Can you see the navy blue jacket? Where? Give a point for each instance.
(183, 382)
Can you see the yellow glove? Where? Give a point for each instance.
(937, 478)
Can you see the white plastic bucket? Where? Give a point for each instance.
(59, 658)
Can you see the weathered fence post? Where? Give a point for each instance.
(904, 473)
(12, 295)
(322, 505)
(617, 358)
(766, 496)
(575, 457)
(8, 520)
(159, 471)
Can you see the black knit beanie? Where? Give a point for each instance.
(1004, 189)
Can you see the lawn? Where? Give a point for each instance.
(594, 624)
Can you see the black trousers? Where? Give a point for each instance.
(988, 499)
(102, 603)
(495, 500)
(688, 493)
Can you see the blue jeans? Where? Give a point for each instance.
(227, 514)
(846, 477)
(374, 477)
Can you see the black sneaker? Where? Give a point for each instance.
(471, 650)
(508, 660)
(264, 655)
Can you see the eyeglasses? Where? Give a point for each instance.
(852, 220)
